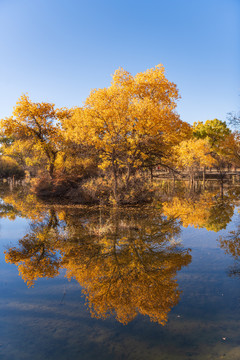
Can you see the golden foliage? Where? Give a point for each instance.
(207, 210)
(126, 269)
(231, 244)
(193, 154)
(26, 205)
(37, 255)
(131, 122)
(9, 168)
(35, 126)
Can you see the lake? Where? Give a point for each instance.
(159, 281)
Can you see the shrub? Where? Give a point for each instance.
(44, 186)
(138, 190)
(9, 168)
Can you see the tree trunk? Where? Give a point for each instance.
(222, 190)
(52, 157)
(151, 174)
(204, 176)
(115, 184)
(51, 170)
(128, 176)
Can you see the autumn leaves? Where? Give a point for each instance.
(120, 132)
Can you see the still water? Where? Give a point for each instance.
(153, 282)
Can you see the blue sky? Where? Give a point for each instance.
(58, 50)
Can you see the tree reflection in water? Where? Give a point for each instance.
(131, 268)
(231, 245)
(210, 210)
(125, 261)
(36, 255)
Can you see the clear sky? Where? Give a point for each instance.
(58, 50)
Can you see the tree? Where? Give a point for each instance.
(233, 147)
(234, 120)
(130, 123)
(193, 154)
(214, 130)
(219, 136)
(233, 141)
(9, 168)
(35, 126)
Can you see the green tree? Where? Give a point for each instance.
(214, 130)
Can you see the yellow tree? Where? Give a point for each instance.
(9, 167)
(219, 136)
(232, 148)
(131, 124)
(35, 126)
(192, 154)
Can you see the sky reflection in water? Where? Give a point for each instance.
(174, 263)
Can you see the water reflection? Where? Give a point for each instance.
(125, 261)
(36, 255)
(131, 268)
(211, 210)
(21, 203)
(231, 246)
